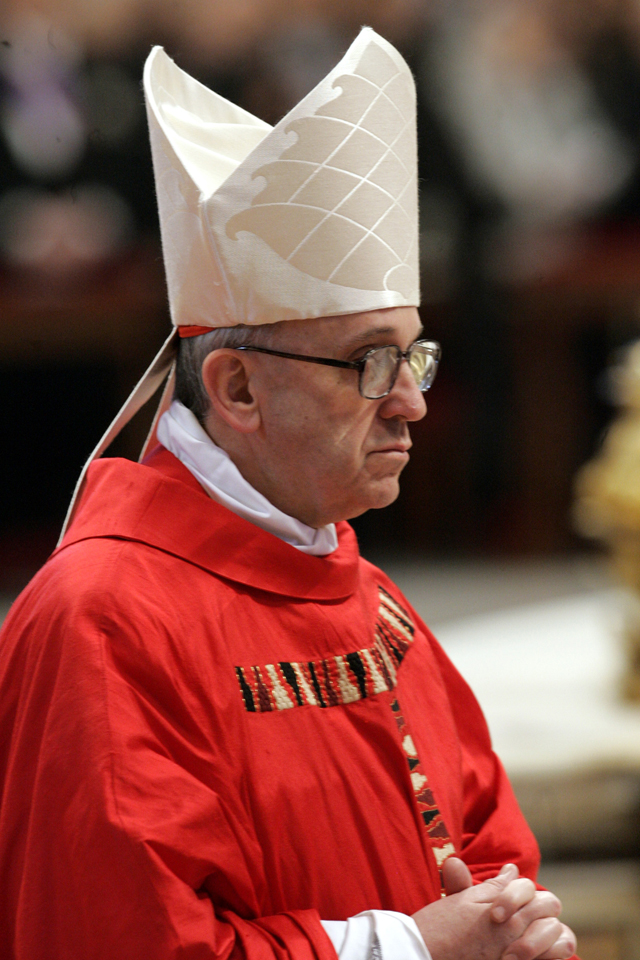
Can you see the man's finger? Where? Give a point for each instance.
(563, 948)
(543, 904)
(536, 941)
(456, 876)
(489, 890)
(516, 894)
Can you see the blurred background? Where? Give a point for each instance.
(529, 134)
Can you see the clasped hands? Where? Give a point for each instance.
(505, 918)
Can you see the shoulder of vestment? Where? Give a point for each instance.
(160, 504)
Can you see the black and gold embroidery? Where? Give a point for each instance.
(336, 680)
(434, 825)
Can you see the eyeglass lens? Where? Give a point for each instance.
(379, 372)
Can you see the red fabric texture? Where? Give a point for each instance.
(146, 813)
(193, 331)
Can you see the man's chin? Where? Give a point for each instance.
(380, 495)
(388, 496)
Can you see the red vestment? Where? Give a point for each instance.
(210, 740)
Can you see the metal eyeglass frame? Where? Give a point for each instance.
(433, 348)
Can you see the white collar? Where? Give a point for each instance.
(180, 432)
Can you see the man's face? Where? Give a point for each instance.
(324, 452)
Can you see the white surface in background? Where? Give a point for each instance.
(547, 677)
(444, 590)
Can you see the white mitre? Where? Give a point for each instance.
(314, 217)
(317, 216)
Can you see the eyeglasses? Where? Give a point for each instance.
(378, 369)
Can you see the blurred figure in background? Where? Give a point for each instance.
(522, 153)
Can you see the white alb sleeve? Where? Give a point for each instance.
(377, 935)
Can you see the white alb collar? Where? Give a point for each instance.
(180, 432)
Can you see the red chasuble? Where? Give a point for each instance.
(211, 740)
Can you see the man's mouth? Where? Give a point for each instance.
(399, 447)
(400, 444)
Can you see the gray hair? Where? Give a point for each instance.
(192, 351)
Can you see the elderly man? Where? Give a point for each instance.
(226, 734)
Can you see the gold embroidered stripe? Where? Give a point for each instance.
(336, 680)
(432, 821)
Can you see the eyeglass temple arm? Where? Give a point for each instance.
(347, 364)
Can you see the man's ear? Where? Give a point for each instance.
(226, 376)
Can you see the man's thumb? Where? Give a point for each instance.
(455, 876)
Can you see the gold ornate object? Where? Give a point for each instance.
(608, 506)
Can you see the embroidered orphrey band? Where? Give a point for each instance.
(337, 680)
(435, 827)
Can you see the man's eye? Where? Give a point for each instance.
(359, 354)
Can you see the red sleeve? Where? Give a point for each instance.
(114, 840)
(495, 831)
(485, 821)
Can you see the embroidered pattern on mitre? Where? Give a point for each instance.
(340, 203)
(317, 215)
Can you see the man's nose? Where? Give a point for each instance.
(405, 399)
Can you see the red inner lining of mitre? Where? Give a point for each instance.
(193, 331)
